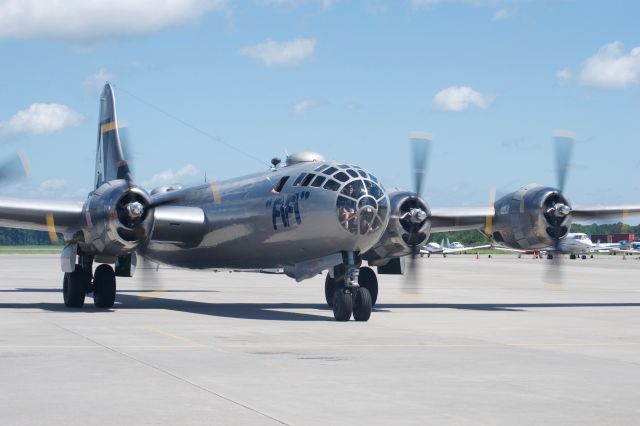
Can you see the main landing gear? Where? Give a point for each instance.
(351, 290)
(78, 283)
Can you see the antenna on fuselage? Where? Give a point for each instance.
(274, 162)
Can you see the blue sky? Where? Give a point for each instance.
(491, 80)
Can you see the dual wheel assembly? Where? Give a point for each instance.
(78, 283)
(356, 301)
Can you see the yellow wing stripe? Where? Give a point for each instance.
(51, 227)
(112, 125)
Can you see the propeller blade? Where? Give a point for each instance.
(15, 167)
(563, 142)
(420, 144)
(149, 277)
(488, 221)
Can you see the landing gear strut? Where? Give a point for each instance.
(352, 290)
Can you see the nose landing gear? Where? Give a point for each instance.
(351, 290)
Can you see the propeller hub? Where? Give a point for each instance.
(135, 210)
(559, 210)
(418, 216)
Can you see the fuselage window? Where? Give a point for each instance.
(320, 168)
(318, 181)
(331, 185)
(330, 171)
(299, 179)
(352, 173)
(276, 189)
(342, 177)
(307, 180)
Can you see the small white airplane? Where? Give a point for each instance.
(575, 244)
(445, 248)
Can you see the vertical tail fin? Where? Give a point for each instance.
(110, 159)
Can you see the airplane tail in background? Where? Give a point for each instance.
(110, 158)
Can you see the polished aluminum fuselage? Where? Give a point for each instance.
(245, 227)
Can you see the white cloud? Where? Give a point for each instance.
(501, 15)
(169, 177)
(40, 119)
(417, 4)
(563, 76)
(97, 19)
(286, 53)
(324, 4)
(611, 68)
(304, 106)
(459, 98)
(95, 82)
(54, 184)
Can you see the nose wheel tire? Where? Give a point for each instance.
(367, 279)
(74, 288)
(104, 287)
(362, 305)
(342, 305)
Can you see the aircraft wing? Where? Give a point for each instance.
(601, 212)
(447, 250)
(508, 249)
(460, 218)
(41, 215)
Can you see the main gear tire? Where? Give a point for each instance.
(330, 287)
(367, 279)
(74, 288)
(104, 287)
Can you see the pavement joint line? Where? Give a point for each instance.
(175, 376)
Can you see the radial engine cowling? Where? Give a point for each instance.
(118, 219)
(408, 225)
(531, 217)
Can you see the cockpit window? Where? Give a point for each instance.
(342, 177)
(330, 171)
(362, 173)
(318, 181)
(307, 180)
(362, 206)
(299, 179)
(332, 185)
(373, 189)
(343, 166)
(320, 168)
(352, 173)
(353, 189)
(278, 186)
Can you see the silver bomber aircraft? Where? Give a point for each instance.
(306, 217)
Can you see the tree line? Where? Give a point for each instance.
(472, 238)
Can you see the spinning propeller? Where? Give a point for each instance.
(412, 215)
(556, 208)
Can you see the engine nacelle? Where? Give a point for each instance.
(408, 225)
(530, 218)
(118, 219)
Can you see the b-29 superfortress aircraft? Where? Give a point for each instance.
(307, 216)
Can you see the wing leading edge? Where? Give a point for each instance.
(41, 215)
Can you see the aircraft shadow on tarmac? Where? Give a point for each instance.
(268, 311)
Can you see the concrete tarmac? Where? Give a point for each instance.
(477, 342)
